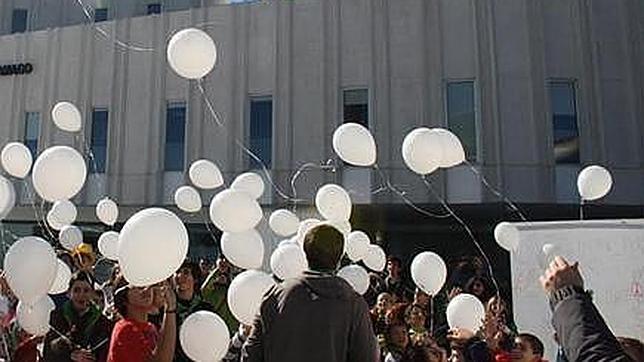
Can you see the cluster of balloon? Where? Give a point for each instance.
(204, 336)
(465, 311)
(507, 236)
(245, 294)
(354, 144)
(244, 249)
(429, 272)
(594, 182)
(31, 268)
(205, 175)
(152, 229)
(424, 150)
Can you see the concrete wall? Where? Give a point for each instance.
(304, 53)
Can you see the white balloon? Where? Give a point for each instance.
(250, 183)
(67, 117)
(205, 174)
(356, 276)
(342, 226)
(16, 159)
(284, 222)
(204, 337)
(34, 318)
(594, 182)
(429, 272)
(30, 268)
(288, 261)
(152, 246)
(187, 198)
(63, 276)
(192, 53)
(234, 211)
(375, 258)
(107, 211)
(333, 203)
(63, 212)
(357, 245)
(59, 173)
(354, 144)
(7, 197)
(422, 150)
(507, 236)
(108, 245)
(307, 225)
(244, 250)
(291, 241)
(53, 222)
(465, 311)
(70, 237)
(453, 152)
(245, 294)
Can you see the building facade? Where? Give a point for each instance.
(535, 90)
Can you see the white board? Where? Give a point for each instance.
(611, 257)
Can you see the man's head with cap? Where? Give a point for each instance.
(323, 246)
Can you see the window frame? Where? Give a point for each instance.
(369, 103)
(168, 106)
(477, 114)
(249, 162)
(574, 83)
(91, 168)
(13, 22)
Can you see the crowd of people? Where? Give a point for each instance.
(317, 317)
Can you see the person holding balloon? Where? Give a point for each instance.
(186, 280)
(134, 338)
(80, 332)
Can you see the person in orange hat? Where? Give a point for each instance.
(84, 257)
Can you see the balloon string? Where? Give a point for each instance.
(45, 223)
(496, 191)
(402, 196)
(581, 209)
(467, 229)
(205, 222)
(329, 165)
(89, 11)
(87, 149)
(241, 145)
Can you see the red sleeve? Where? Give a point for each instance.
(130, 344)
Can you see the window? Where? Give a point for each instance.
(100, 14)
(461, 115)
(356, 106)
(98, 146)
(32, 131)
(564, 121)
(175, 136)
(154, 8)
(19, 21)
(261, 131)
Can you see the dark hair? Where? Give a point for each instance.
(409, 309)
(394, 260)
(120, 295)
(397, 313)
(323, 246)
(194, 270)
(487, 289)
(535, 343)
(81, 276)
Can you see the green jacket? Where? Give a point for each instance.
(215, 293)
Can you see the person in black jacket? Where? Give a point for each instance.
(581, 330)
(316, 317)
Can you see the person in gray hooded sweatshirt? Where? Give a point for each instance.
(317, 317)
